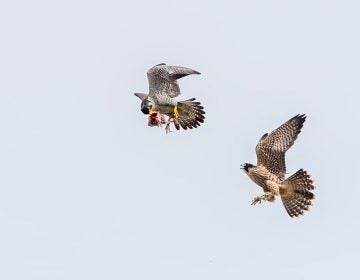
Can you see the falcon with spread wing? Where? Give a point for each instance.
(269, 173)
(163, 88)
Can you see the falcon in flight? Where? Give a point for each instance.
(163, 88)
(269, 173)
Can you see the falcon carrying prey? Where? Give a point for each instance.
(269, 173)
(163, 88)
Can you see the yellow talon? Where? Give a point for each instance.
(176, 113)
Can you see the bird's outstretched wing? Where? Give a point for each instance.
(163, 79)
(271, 148)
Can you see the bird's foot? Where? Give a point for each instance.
(167, 128)
(257, 200)
(167, 125)
(268, 196)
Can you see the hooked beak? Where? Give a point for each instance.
(242, 166)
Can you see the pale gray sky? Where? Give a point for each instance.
(89, 191)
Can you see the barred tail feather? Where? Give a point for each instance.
(296, 193)
(191, 114)
(177, 124)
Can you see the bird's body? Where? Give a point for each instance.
(163, 103)
(269, 173)
(163, 88)
(265, 179)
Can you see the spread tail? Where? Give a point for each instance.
(296, 193)
(191, 114)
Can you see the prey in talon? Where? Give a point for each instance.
(157, 119)
(160, 102)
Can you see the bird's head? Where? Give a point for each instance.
(146, 104)
(146, 107)
(246, 166)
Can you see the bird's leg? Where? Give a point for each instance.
(167, 125)
(162, 120)
(268, 196)
(176, 112)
